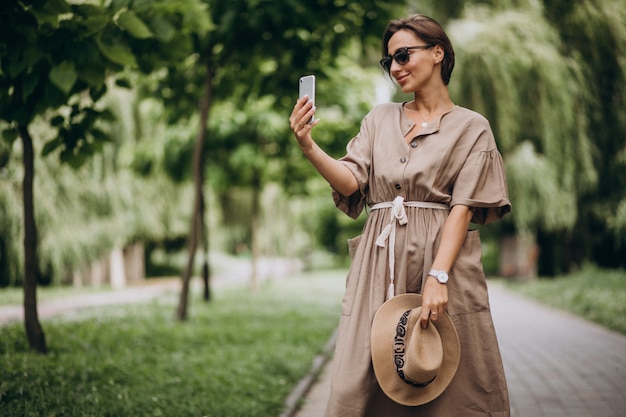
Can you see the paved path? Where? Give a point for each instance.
(232, 272)
(71, 303)
(557, 365)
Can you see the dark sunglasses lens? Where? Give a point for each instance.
(386, 63)
(401, 57)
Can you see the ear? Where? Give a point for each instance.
(438, 54)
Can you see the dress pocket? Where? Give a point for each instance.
(467, 286)
(352, 278)
(353, 244)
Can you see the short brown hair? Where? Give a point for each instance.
(431, 32)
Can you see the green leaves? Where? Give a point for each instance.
(129, 21)
(80, 135)
(117, 53)
(53, 49)
(64, 76)
(535, 185)
(163, 29)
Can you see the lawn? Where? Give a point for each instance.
(240, 355)
(595, 294)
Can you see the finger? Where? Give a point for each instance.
(424, 318)
(305, 114)
(434, 315)
(295, 125)
(309, 115)
(305, 125)
(302, 103)
(307, 111)
(301, 128)
(301, 114)
(298, 108)
(297, 120)
(442, 309)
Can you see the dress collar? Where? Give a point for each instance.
(406, 124)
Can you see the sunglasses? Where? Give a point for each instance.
(401, 56)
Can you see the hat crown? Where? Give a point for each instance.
(396, 336)
(424, 350)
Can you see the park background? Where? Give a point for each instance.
(143, 139)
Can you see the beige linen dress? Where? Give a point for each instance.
(452, 160)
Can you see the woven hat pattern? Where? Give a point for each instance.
(413, 365)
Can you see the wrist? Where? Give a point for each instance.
(440, 276)
(308, 149)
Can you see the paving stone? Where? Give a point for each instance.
(557, 364)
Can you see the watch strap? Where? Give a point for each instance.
(440, 276)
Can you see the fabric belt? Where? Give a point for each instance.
(398, 215)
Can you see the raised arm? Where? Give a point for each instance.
(334, 172)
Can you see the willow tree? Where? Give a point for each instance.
(594, 32)
(510, 67)
(55, 57)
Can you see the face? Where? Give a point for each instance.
(421, 69)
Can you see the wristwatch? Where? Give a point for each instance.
(441, 276)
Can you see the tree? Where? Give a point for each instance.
(550, 78)
(55, 57)
(594, 33)
(258, 50)
(510, 68)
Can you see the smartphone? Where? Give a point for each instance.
(306, 87)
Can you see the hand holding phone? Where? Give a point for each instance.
(306, 87)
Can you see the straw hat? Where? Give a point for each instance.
(413, 365)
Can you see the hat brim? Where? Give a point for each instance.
(382, 342)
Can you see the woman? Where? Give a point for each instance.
(435, 164)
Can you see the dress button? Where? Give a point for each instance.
(413, 144)
(402, 160)
(398, 186)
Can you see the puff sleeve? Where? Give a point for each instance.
(358, 159)
(481, 184)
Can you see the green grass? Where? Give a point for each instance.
(595, 294)
(239, 355)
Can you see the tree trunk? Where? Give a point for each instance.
(255, 226)
(198, 174)
(34, 331)
(206, 268)
(206, 279)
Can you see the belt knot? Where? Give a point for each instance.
(397, 216)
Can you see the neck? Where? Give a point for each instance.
(429, 109)
(430, 102)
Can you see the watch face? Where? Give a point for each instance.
(442, 277)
